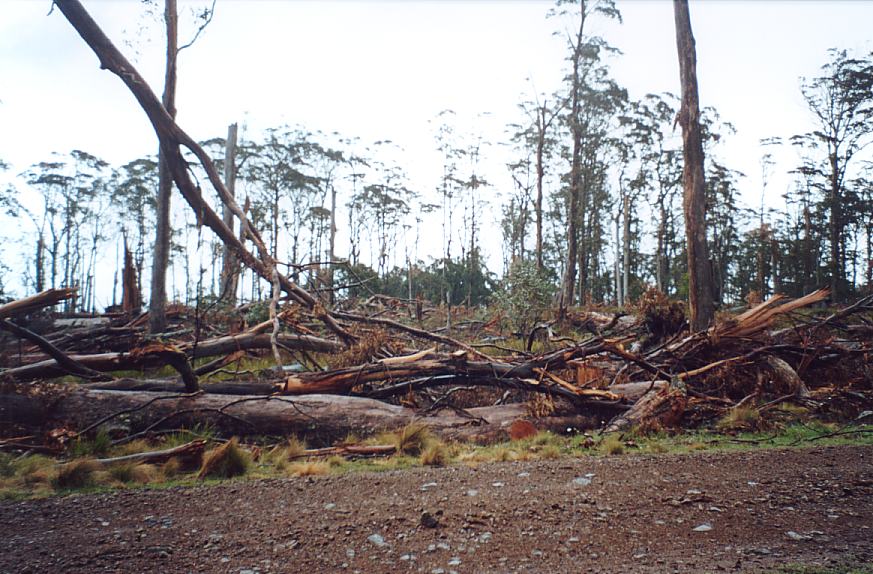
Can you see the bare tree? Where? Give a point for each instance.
(158, 298)
(694, 201)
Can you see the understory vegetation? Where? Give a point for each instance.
(36, 475)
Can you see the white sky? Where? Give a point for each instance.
(383, 70)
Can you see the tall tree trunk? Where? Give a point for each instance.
(619, 294)
(40, 269)
(626, 241)
(568, 288)
(230, 266)
(158, 299)
(808, 256)
(331, 255)
(541, 144)
(835, 229)
(694, 200)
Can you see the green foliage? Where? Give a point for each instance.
(612, 445)
(96, 447)
(524, 295)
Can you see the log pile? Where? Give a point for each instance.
(603, 381)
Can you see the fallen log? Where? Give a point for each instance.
(189, 453)
(235, 388)
(142, 359)
(349, 450)
(661, 407)
(428, 365)
(321, 420)
(26, 305)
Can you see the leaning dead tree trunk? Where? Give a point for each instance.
(172, 138)
(694, 201)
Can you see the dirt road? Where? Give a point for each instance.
(685, 513)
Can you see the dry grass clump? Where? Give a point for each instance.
(225, 461)
(435, 454)
(371, 345)
(309, 468)
(411, 439)
(550, 452)
(76, 474)
(282, 455)
(98, 446)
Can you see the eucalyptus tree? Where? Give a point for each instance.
(470, 187)
(722, 229)
(536, 141)
(516, 212)
(841, 102)
(133, 191)
(283, 188)
(592, 104)
(70, 187)
(326, 165)
(448, 189)
(648, 127)
(10, 205)
(384, 204)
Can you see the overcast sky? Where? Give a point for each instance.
(384, 70)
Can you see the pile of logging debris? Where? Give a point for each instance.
(381, 381)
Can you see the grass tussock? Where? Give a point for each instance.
(76, 474)
(283, 454)
(226, 461)
(309, 468)
(740, 419)
(137, 473)
(435, 454)
(411, 439)
(612, 445)
(96, 447)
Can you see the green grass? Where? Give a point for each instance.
(35, 476)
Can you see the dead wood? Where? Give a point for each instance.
(349, 451)
(155, 356)
(63, 361)
(659, 408)
(418, 333)
(30, 304)
(172, 139)
(235, 388)
(428, 367)
(319, 419)
(190, 453)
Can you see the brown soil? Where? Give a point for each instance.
(624, 514)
